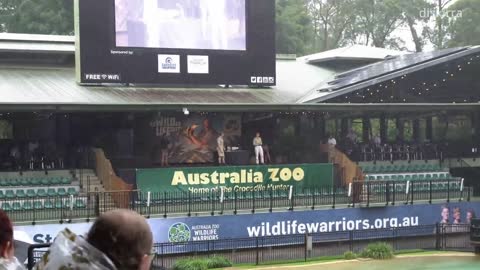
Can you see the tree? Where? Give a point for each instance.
(7, 10)
(38, 17)
(331, 21)
(465, 27)
(377, 20)
(415, 11)
(293, 27)
(438, 34)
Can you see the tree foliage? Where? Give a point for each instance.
(39, 17)
(293, 27)
(465, 28)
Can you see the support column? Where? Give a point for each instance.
(400, 130)
(416, 130)
(366, 130)
(383, 128)
(322, 126)
(429, 129)
(344, 127)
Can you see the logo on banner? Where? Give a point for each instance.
(198, 64)
(168, 63)
(179, 233)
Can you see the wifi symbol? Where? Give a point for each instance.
(104, 76)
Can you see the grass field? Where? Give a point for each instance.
(411, 260)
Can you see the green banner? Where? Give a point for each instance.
(240, 178)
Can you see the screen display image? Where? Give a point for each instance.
(181, 24)
(186, 43)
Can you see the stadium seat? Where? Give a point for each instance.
(38, 205)
(6, 206)
(79, 203)
(20, 193)
(72, 191)
(59, 204)
(51, 192)
(16, 206)
(394, 177)
(386, 178)
(2, 195)
(9, 194)
(55, 181)
(45, 181)
(48, 204)
(435, 176)
(31, 193)
(400, 178)
(35, 181)
(14, 182)
(61, 192)
(41, 193)
(66, 203)
(24, 182)
(66, 181)
(27, 205)
(379, 177)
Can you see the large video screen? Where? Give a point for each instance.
(176, 42)
(181, 24)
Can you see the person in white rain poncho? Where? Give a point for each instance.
(118, 239)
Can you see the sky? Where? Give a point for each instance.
(405, 35)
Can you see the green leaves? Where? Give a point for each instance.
(37, 17)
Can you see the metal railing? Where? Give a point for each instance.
(220, 202)
(304, 247)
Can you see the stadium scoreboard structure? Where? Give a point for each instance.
(175, 42)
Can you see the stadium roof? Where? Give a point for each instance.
(425, 71)
(29, 82)
(36, 43)
(353, 53)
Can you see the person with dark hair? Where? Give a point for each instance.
(119, 239)
(7, 258)
(470, 216)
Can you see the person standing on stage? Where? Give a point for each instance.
(221, 149)
(164, 150)
(257, 143)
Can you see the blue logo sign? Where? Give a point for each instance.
(169, 64)
(179, 233)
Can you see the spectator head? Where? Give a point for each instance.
(470, 215)
(445, 214)
(125, 237)
(257, 134)
(6, 237)
(456, 214)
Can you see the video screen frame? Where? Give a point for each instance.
(243, 49)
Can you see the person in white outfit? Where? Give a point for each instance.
(214, 23)
(257, 143)
(221, 149)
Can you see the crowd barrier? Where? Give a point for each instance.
(218, 201)
(262, 250)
